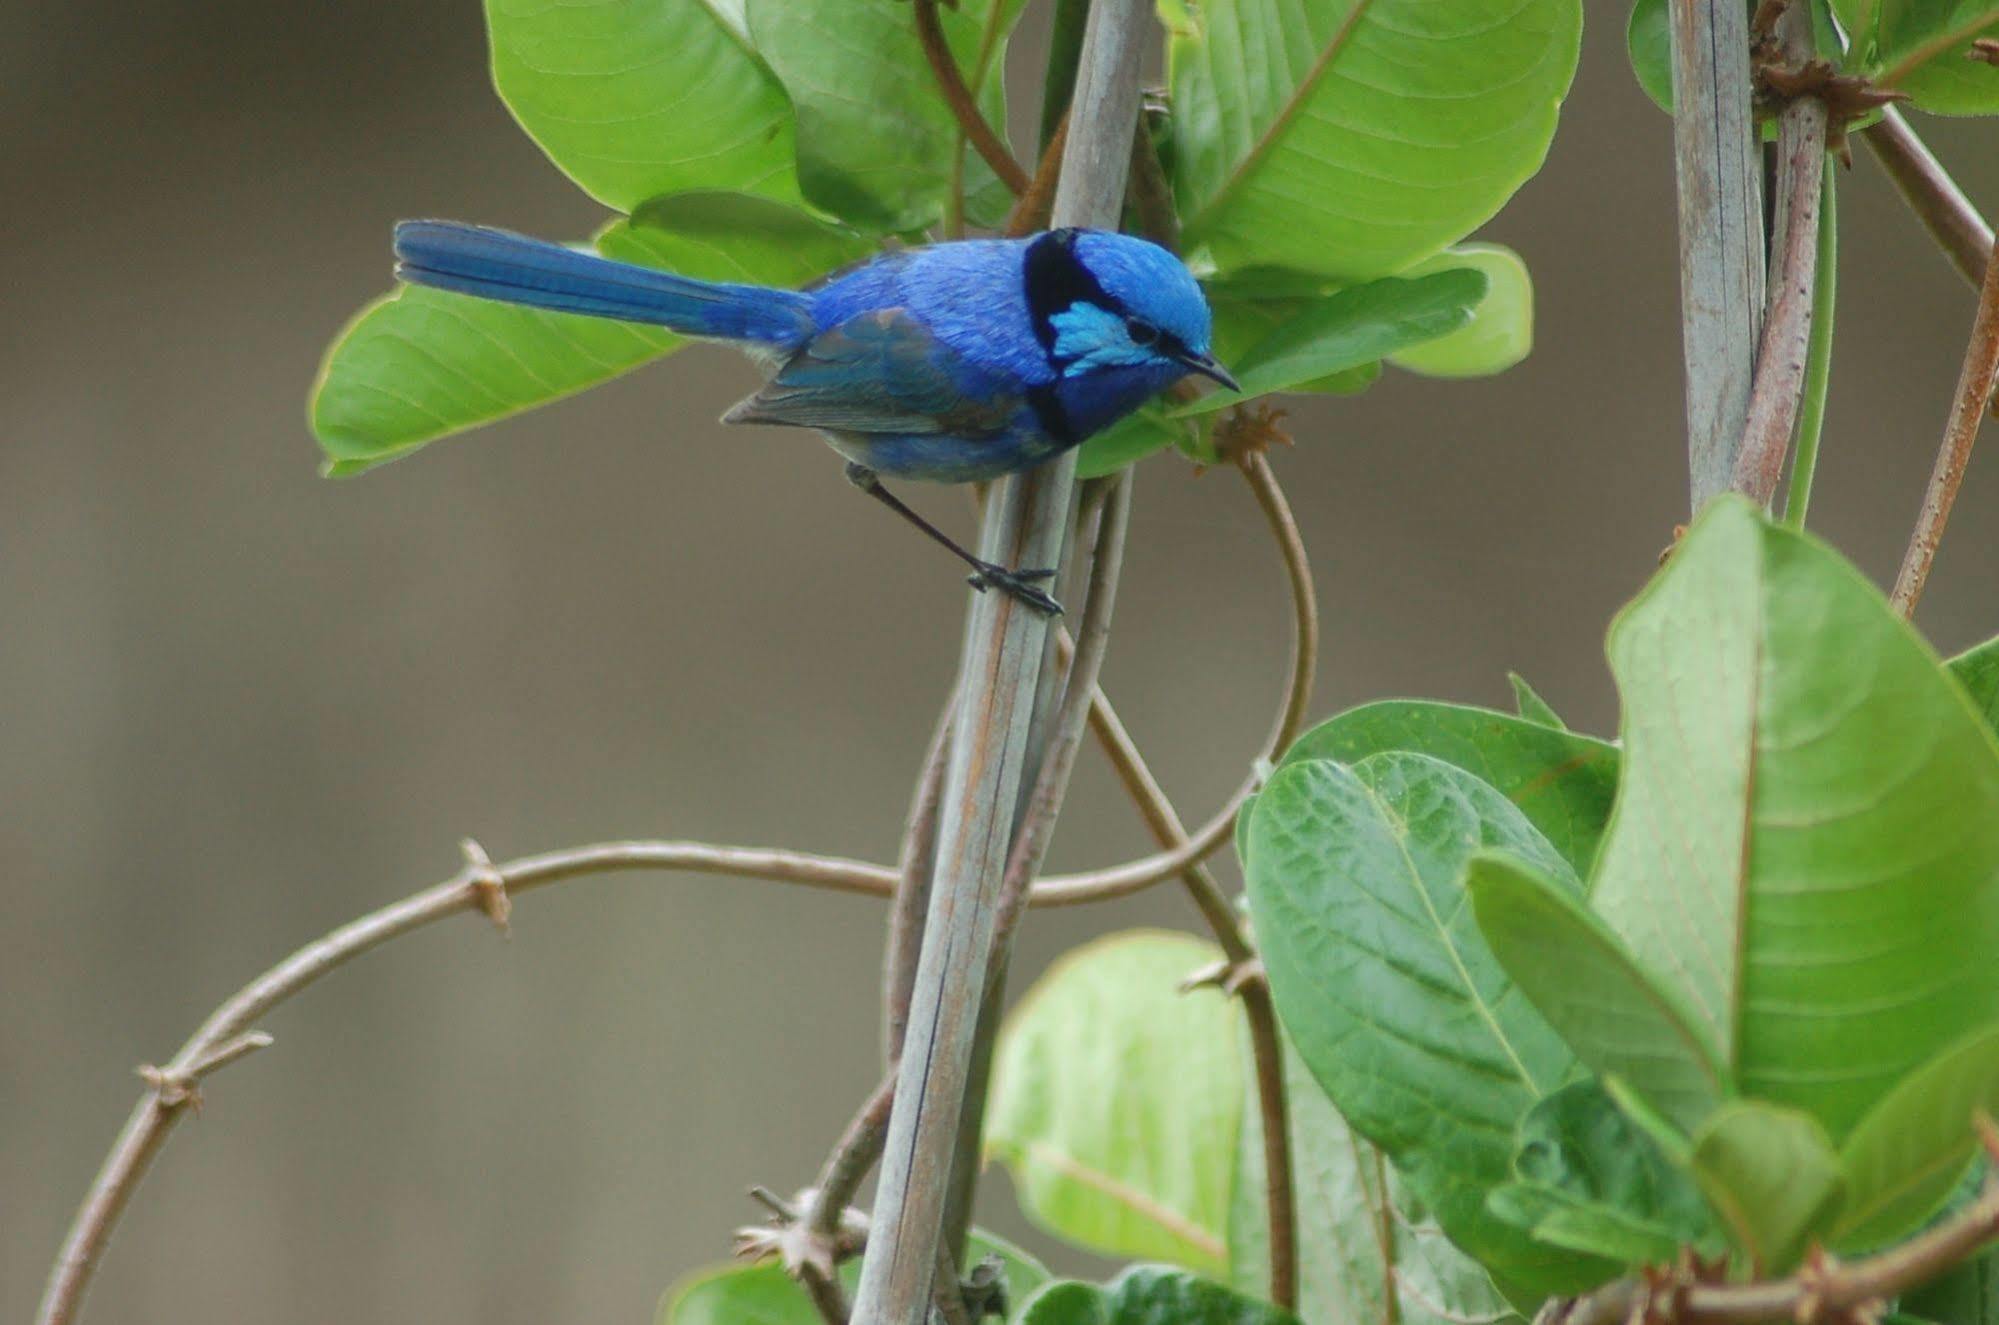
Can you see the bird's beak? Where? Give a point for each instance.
(1205, 365)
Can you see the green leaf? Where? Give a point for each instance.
(1129, 441)
(1348, 330)
(1244, 320)
(1348, 1201)
(1648, 40)
(1148, 1295)
(1965, 1295)
(1501, 331)
(1977, 670)
(1614, 1013)
(1806, 842)
(421, 364)
(1117, 1099)
(877, 146)
(1920, 47)
(1392, 999)
(765, 1295)
(1905, 1157)
(1770, 1173)
(1532, 707)
(1564, 783)
(1593, 1181)
(1354, 137)
(634, 99)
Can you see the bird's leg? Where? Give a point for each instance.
(985, 574)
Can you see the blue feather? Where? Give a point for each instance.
(497, 264)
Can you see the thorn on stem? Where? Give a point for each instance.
(1986, 49)
(488, 887)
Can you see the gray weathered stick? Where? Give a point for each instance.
(1721, 232)
(1027, 522)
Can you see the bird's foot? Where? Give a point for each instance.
(1018, 583)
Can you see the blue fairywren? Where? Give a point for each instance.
(956, 362)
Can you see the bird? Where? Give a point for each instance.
(952, 362)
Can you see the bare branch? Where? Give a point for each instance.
(1721, 232)
(227, 1035)
(1027, 524)
(917, 866)
(1931, 193)
(1967, 412)
(964, 106)
(1779, 384)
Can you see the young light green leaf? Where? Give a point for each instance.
(1501, 331)
(1922, 47)
(1392, 999)
(1617, 1017)
(1648, 40)
(1770, 1173)
(422, 364)
(1353, 137)
(1117, 1099)
(1532, 707)
(1243, 320)
(1593, 1181)
(877, 146)
(1977, 670)
(1905, 1157)
(1564, 783)
(1362, 1237)
(1148, 1295)
(634, 99)
(1349, 329)
(1806, 840)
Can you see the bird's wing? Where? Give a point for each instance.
(880, 372)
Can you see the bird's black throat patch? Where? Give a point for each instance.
(1056, 278)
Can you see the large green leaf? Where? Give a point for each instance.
(765, 1295)
(1966, 1295)
(1908, 1153)
(1592, 1180)
(1130, 440)
(1806, 840)
(876, 144)
(1117, 1098)
(1770, 1173)
(1921, 46)
(1390, 995)
(1362, 1239)
(1615, 1014)
(1350, 329)
(421, 364)
(1354, 137)
(1148, 1295)
(1563, 782)
(1501, 331)
(634, 99)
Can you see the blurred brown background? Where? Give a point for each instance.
(240, 704)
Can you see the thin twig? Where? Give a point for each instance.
(1931, 193)
(1152, 192)
(1967, 412)
(847, 1166)
(964, 106)
(912, 894)
(1818, 358)
(227, 1033)
(1721, 232)
(1823, 1290)
(1032, 211)
(1787, 322)
(1027, 523)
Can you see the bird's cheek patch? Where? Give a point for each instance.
(1089, 338)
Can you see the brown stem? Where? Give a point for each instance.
(1967, 411)
(1031, 212)
(1828, 1288)
(964, 107)
(1931, 193)
(1779, 384)
(226, 1035)
(1151, 193)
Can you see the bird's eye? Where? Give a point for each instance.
(1141, 331)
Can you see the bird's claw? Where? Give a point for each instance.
(1018, 583)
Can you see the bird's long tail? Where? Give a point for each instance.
(498, 264)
